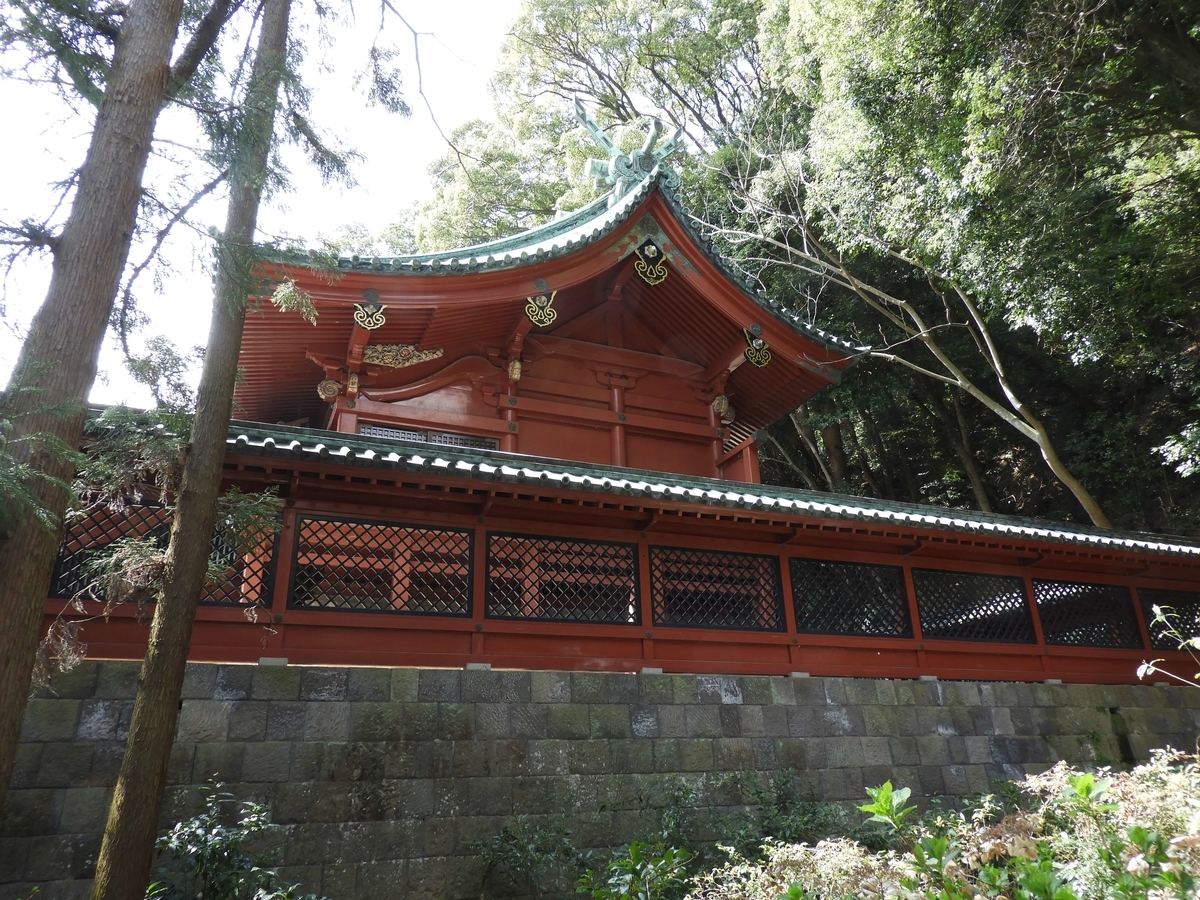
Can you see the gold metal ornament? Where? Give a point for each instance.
(720, 403)
(397, 356)
(369, 315)
(352, 384)
(649, 263)
(758, 351)
(327, 389)
(539, 310)
(514, 370)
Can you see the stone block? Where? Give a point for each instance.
(326, 684)
(885, 692)
(643, 722)
(234, 682)
(456, 721)
(98, 720)
(25, 766)
(775, 720)
(77, 684)
(703, 721)
(935, 721)
(65, 765)
(439, 685)
(906, 720)
(609, 720)
(406, 685)
(266, 762)
(781, 692)
(338, 881)
(790, 754)
(588, 757)
(49, 857)
(954, 780)
(841, 721)
(750, 721)
(375, 721)
(370, 685)
(588, 687)
(276, 682)
(491, 720)
(379, 878)
(933, 750)
(83, 811)
(843, 752)
(49, 720)
(879, 721)
(655, 688)
(426, 879)
(904, 751)
(203, 721)
(248, 720)
(978, 749)
(876, 751)
(841, 784)
(550, 687)
(631, 756)
(804, 721)
(621, 687)
(695, 755)
(684, 689)
(506, 758)
(733, 754)
(566, 721)
(286, 720)
(13, 853)
(548, 757)
(179, 770)
(218, 762)
(723, 689)
(929, 781)
(116, 680)
(528, 720)
(672, 721)
(861, 692)
(420, 721)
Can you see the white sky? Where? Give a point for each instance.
(43, 141)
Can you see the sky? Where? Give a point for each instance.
(44, 140)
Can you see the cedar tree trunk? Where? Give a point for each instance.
(57, 365)
(127, 851)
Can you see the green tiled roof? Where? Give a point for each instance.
(557, 238)
(301, 444)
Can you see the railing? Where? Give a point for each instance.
(354, 590)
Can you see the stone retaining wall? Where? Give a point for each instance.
(380, 777)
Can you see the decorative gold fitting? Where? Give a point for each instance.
(369, 315)
(514, 370)
(649, 265)
(539, 309)
(328, 389)
(758, 351)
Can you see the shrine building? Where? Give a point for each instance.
(540, 453)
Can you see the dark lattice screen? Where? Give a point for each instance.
(368, 567)
(849, 598)
(1182, 609)
(445, 438)
(246, 576)
(1086, 615)
(707, 589)
(963, 606)
(544, 578)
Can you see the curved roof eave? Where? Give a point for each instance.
(557, 238)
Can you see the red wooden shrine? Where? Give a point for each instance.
(541, 453)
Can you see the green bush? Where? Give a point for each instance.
(1069, 835)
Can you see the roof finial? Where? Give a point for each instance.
(622, 171)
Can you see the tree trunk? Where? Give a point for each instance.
(856, 449)
(809, 437)
(831, 440)
(127, 852)
(57, 365)
(872, 432)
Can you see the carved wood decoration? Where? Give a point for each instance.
(397, 356)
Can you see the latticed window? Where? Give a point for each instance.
(1086, 615)
(574, 581)
(707, 589)
(963, 606)
(245, 577)
(1182, 608)
(370, 567)
(849, 598)
(444, 438)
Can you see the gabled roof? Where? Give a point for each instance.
(465, 299)
(306, 445)
(563, 235)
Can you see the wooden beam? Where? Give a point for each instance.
(725, 364)
(581, 321)
(605, 417)
(386, 413)
(553, 345)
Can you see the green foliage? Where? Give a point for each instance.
(528, 854)
(889, 806)
(645, 872)
(208, 855)
(287, 297)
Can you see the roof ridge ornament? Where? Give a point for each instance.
(623, 171)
